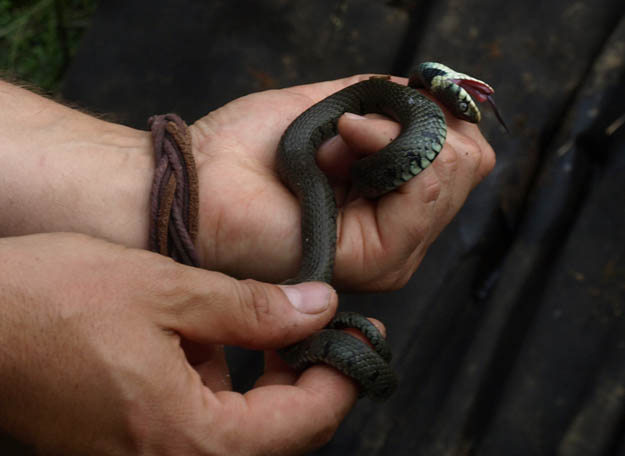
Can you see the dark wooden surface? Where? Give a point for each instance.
(510, 338)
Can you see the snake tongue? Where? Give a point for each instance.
(492, 104)
(482, 92)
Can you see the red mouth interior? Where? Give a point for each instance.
(481, 92)
(478, 90)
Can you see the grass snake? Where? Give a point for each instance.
(423, 133)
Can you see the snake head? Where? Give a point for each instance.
(459, 92)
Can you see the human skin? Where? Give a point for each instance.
(100, 175)
(107, 348)
(380, 242)
(110, 350)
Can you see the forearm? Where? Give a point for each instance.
(63, 170)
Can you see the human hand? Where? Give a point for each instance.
(110, 350)
(67, 171)
(249, 221)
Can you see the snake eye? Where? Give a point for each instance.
(463, 106)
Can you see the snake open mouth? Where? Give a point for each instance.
(482, 93)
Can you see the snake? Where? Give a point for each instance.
(423, 134)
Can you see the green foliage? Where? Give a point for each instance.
(39, 37)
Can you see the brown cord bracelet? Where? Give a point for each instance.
(174, 197)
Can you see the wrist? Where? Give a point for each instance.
(64, 170)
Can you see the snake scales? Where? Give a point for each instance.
(422, 137)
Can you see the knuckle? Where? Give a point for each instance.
(400, 279)
(396, 279)
(400, 272)
(326, 422)
(446, 165)
(471, 149)
(167, 279)
(479, 156)
(431, 185)
(255, 300)
(488, 160)
(329, 427)
(257, 307)
(417, 232)
(325, 434)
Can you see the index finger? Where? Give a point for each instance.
(289, 419)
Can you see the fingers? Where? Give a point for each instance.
(467, 150)
(461, 165)
(275, 407)
(212, 308)
(209, 361)
(359, 136)
(366, 135)
(284, 419)
(407, 220)
(277, 371)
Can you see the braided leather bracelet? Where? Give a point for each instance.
(174, 197)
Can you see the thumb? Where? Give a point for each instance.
(218, 309)
(367, 135)
(359, 136)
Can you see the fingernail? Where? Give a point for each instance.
(351, 115)
(308, 297)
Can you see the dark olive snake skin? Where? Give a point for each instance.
(421, 139)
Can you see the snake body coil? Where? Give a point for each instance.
(421, 139)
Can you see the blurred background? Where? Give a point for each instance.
(38, 39)
(510, 338)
